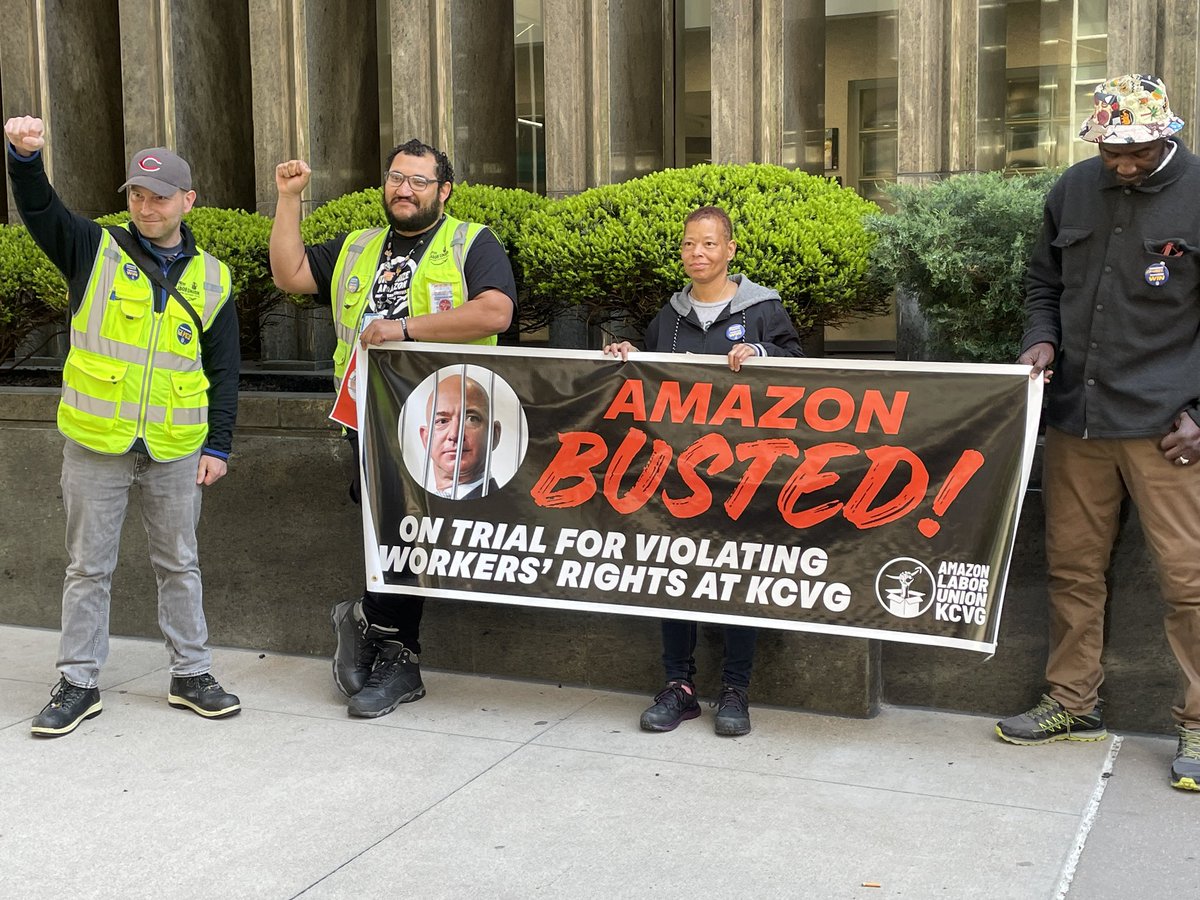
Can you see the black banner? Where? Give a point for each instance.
(846, 497)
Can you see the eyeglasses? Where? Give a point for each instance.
(416, 182)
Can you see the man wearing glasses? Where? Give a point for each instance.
(426, 277)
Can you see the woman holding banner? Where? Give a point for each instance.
(733, 316)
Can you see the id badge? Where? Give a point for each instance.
(441, 297)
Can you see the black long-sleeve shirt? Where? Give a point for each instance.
(71, 242)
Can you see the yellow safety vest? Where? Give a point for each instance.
(438, 284)
(133, 372)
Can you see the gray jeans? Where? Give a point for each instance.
(96, 494)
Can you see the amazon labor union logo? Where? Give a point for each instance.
(905, 587)
(183, 334)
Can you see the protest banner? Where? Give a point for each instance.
(345, 404)
(873, 499)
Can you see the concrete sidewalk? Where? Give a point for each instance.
(499, 788)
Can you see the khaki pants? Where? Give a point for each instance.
(1084, 483)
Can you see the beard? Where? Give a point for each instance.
(416, 221)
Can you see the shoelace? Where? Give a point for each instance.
(384, 668)
(367, 654)
(674, 693)
(731, 698)
(202, 683)
(1048, 714)
(64, 692)
(1189, 744)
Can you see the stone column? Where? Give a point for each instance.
(315, 96)
(962, 84)
(768, 96)
(59, 64)
(1132, 35)
(185, 77)
(640, 88)
(609, 102)
(577, 98)
(923, 102)
(737, 119)
(315, 76)
(1179, 63)
(451, 83)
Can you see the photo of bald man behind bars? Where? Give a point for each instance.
(462, 433)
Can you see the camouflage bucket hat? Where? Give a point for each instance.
(1130, 109)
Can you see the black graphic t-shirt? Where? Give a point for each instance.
(486, 268)
(397, 264)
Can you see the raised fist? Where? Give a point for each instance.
(291, 177)
(27, 134)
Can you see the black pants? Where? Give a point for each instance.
(388, 610)
(679, 647)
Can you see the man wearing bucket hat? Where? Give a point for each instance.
(149, 398)
(1113, 312)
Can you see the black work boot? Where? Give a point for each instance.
(395, 679)
(69, 705)
(673, 704)
(203, 695)
(733, 712)
(356, 651)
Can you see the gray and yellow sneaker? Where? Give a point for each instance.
(1048, 722)
(1185, 771)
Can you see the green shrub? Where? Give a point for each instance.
(350, 212)
(613, 251)
(501, 209)
(962, 246)
(241, 240)
(33, 293)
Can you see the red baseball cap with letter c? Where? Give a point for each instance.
(160, 170)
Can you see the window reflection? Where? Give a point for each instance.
(1049, 55)
(530, 87)
(693, 82)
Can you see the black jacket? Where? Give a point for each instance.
(755, 316)
(1123, 315)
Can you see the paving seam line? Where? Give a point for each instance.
(1087, 820)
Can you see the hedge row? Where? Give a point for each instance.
(611, 251)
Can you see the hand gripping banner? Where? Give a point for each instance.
(871, 499)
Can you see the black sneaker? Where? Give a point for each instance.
(1185, 771)
(673, 704)
(69, 705)
(356, 652)
(203, 696)
(396, 679)
(733, 712)
(1048, 722)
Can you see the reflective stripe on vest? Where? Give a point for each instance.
(135, 372)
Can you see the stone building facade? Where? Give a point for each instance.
(561, 95)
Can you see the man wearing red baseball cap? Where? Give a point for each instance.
(149, 398)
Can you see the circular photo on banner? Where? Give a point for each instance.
(463, 432)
